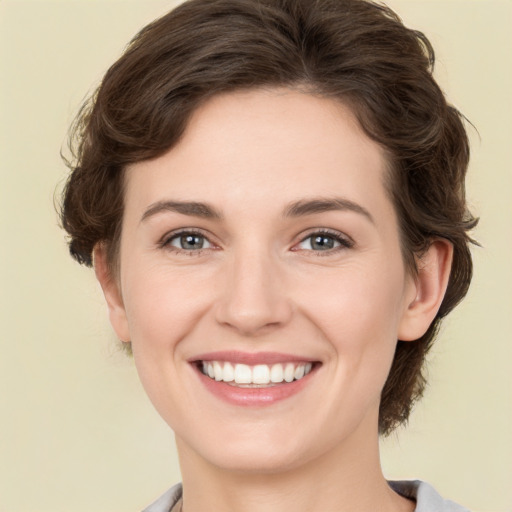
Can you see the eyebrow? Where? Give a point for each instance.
(299, 208)
(191, 208)
(319, 205)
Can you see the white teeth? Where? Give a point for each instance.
(277, 373)
(217, 370)
(299, 372)
(289, 372)
(229, 373)
(243, 374)
(260, 374)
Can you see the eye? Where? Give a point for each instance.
(324, 242)
(188, 241)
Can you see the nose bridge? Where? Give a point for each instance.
(253, 299)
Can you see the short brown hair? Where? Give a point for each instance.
(355, 51)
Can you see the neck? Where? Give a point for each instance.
(347, 477)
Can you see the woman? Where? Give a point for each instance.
(272, 195)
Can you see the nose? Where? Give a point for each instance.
(253, 300)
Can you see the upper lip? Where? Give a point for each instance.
(251, 358)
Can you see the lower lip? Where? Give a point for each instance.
(251, 397)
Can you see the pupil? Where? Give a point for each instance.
(323, 243)
(191, 242)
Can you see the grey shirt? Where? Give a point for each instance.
(427, 498)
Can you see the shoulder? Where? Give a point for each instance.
(166, 501)
(427, 498)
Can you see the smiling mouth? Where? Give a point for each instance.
(260, 375)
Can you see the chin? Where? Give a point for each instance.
(246, 448)
(258, 448)
(257, 459)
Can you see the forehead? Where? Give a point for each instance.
(264, 148)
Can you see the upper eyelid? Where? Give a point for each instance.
(327, 231)
(177, 232)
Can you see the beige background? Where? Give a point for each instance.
(76, 431)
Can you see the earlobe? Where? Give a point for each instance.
(429, 288)
(112, 293)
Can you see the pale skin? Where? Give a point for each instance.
(256, 280)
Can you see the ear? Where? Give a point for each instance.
(111, 291)
(428, 289)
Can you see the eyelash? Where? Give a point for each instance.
(343, 240)
(165, 243)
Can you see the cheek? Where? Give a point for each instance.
(162, 306)
(356, 307)
(357, 315)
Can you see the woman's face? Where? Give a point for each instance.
(262, 247)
